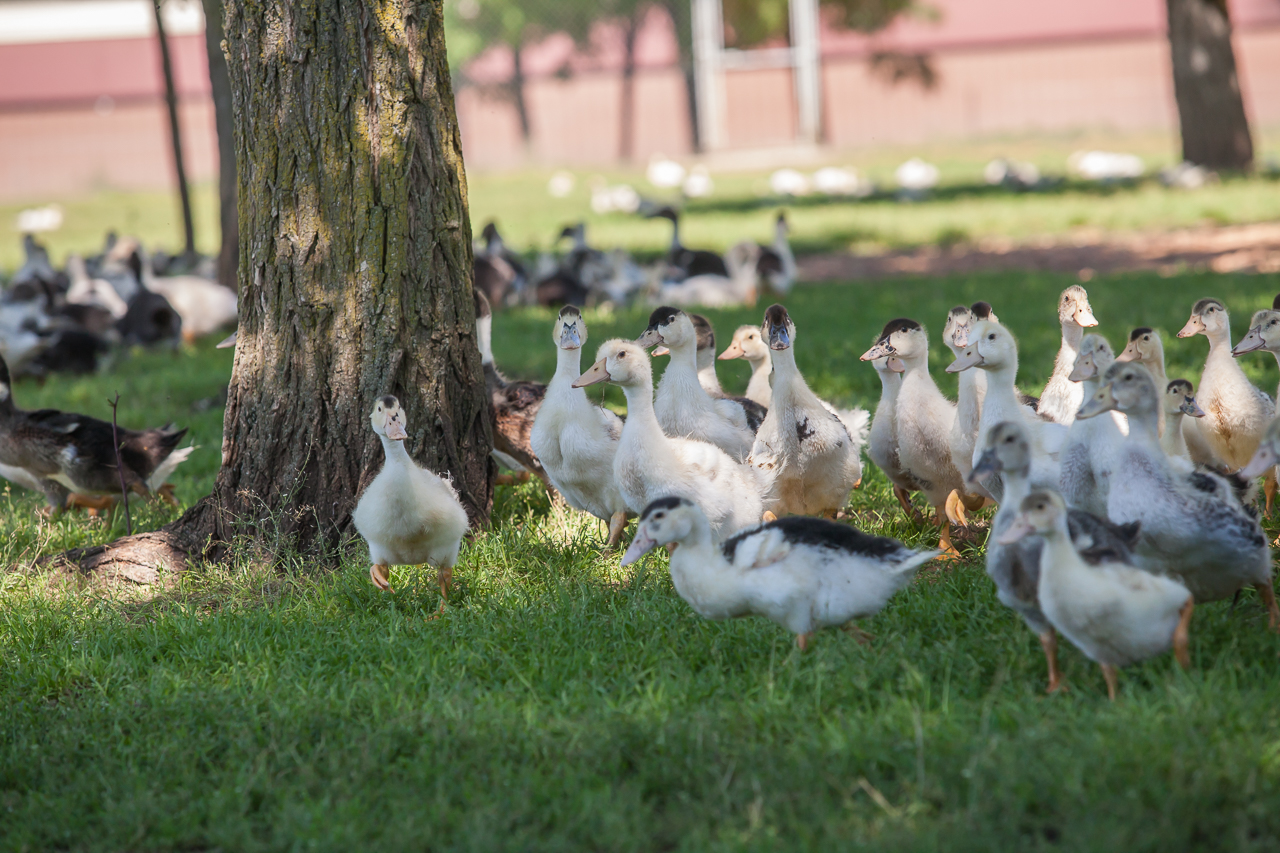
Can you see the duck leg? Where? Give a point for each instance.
(857, 633)
(1181, 636)
(95, 505)
(1269, 489)
(1049, 642)
(948, 550)
(802, 640)
(955, 509)
(166, 494)
(378, 574)
(1269, 599)
(511, 479)
(617, 524)
(1109, 673)
(904, 498)
(768, 517)
(444, 575)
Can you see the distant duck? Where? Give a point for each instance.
(747, 343)
(698, 184)
(92, 291)
(499, 272)
(1106, 165)
(802, 573)
(717, 291)
(616, 198)
(916, 177)
(408, 515)
(204, 305)
(776, 265)
(688, 262)
(664, 173)
(1062, 397)
(788, 182)
(833, 180)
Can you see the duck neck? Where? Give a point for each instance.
(784, 365)
(395, 452)
(1000, 384)
(1072, 335)
(1172, 441)
(675, 234)
(568, 363)
(1017, 485)
(1219, 340)
(682, 372)
(1059, 555)
(484, 338)
(698, 570)
(640, 412)
(1144, 426)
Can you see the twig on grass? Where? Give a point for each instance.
(115, 440)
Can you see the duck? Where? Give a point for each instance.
(707, 378)
(1061, 397)
(814, 461)
(650, 464)
(1194, 527)
(747, 343)
(1092, 446)
(713, 290)
(203, 305)
(499, 272)
(71, 458)
(408, 515)
(685, 262)
(1014, 567)
(1263, 334)
(1179, 400)
(776, 265)
(1112, 611)
(882, 444)
(972, 389)
(1236, 412)
(92, 291)
(801, 573)
(576, 440)
(515, 405)
(923, 419)
(683, 407)
(1145, 347)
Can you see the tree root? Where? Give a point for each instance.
(139, 559)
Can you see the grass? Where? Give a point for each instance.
(563, 704)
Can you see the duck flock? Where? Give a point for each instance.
(1123, 497)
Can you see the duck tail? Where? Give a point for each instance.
(857, 422)
(913, 562)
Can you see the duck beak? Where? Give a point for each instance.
(1020, 529)
(229, 341)
(569, 337)
(1103, 401)
(660, 350)
(1084, 316)
(967, 359)
(895, 365)
(880, 350)
(649, 338)
(1250, 342)
(988, 464)
(1191, 408)
(1084, 369)
(779, 338)
(734, 350)
(1130, 353)
(1194, 327)
(395, 430)
(1264, 459)
(642, 544)
(595, 373)
(960, 337)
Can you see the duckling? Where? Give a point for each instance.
(683, 408)
(1062, 397)
(71, 459)
(748, 344)
(1236, 412)
(1179, 400)
(1015, 567)
(802, 573)
(707, 377)
(883, 445)
(408, 515)
(972, 391)
(515, 404)
(575, 440)
(649, 464)
(204, 306)
(1092, 447)
(813, 459)
(1264, 334)
(1193, 525)
(1114, 612)
(924, 419)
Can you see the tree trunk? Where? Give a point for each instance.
(1215, 130)
(175, 134)
(679, 12)
(355, 274)
(220, 84)
(517, 94)
(626, 104)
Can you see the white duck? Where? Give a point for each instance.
(1179, 400)
(1093, 445)
(748, 344)
(882, 447)
(802, 573)
(813, 460)
(649, 465)
(715, 290)
(92, 291)
(776, 265)
(204, 306)
(408, 515)
(1062, 397)
(1114, 612)
(924, 418)
(575, 440)
(1264, 334)
(1145, 347)
(972, 390)
(1193, 526)
(682, 405)
(707, 377)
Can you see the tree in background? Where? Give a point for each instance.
(1215, 130)
(175, 138)
(220, 86)
(478, 24)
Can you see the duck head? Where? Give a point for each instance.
(706, 337)
(955, 333)
(388, 419)
(570, 331)
(1127, 387)
(1144, 347)
(1180, 399)
(1094, 358)
(1073, 307)
(1006, 449)
(1264, 332)
(669, 326)
(1267, 456)
(777, 328)
(983, 311)
(747, 343)
(903, 337)
(1208, 317)
(619, 362)
(663, 521)
(991, 347)
(1039, 513)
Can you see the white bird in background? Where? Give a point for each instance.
(1011, 173)
(621, 198)
(664, 173)
(916, 175)
(698, 184)
(37, 219)
(834, 180)
(561, 184)
(788, 182)
(1106, 165)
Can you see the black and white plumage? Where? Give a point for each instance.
(686, 262)
(755, 411)
(802, 573)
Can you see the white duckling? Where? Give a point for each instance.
(1114, 612)
(1093, 445)
(408, 515)
(1179, 400)
(1264, 334)
(1236, 412)
(707, 377)
(924, 418)
(748, 344)
(883, 444)
(204, 305)
(1193, 525)
(1015, 567)
(649, 464)
(972, 390)
(576, 440)
(683, 407)
(802, 573)
(1062, 397)
(805, 447)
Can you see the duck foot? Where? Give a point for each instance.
(444, 576)
(948, 550)
(858, 485)
(955, 509)
(378, 574)
(1109, 673)
(617, 524)
(904, 498)
(511, 479)
(857, 633)
(94, 504)
(768, 517)
(1049, 642)
(1269, 600)
(1181, 635)
(802, 640)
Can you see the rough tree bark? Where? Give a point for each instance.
(355, 276)
(220, 85)
(1215, 131)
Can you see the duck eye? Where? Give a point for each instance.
(991, 337)
(659, 515)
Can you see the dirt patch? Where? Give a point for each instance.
(1235, 248)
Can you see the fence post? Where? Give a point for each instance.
(808, 69)
(708, 43)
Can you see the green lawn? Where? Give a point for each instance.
(563, 704)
